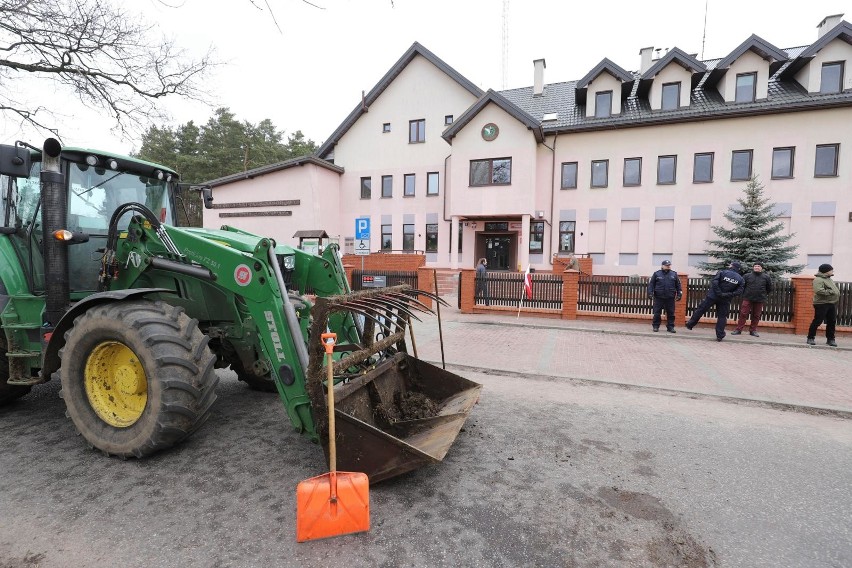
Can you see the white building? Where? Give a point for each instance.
(628, 167)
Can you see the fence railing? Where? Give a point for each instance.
(614, 294)
(778, 306)
(362, 279)
(506, 288)
(844, 306)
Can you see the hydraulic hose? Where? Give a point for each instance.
(289, 312)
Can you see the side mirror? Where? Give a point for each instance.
(14, 161)
(207, 197)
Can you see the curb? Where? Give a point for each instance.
(842, 413)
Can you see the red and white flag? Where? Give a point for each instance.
(528, 284)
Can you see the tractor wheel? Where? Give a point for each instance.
(261, 384)
(8, 393)
(137, 377)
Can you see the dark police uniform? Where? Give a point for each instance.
(664, 287)
(725, 285)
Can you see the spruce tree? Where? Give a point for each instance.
(755, 235)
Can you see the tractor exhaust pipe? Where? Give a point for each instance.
(54, 213)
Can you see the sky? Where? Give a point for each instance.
(309, 75)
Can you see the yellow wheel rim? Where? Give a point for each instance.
(116, 384)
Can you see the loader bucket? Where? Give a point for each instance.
(400, 416)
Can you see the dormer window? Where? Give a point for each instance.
(746, 88)
(603, 104)
(831, 80)
(671, 96)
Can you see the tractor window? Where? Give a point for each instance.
(97, 192)
(20, 209)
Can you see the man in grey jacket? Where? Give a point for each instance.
(758, 285)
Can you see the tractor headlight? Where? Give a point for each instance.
(289, 262)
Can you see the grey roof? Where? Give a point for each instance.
(263, 170)
(362, 107)
(705, 103)
(842, 31)
(494, 97)
(315, 234)
(609, 67)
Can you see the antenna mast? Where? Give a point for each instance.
(505, 44)
(704, 36)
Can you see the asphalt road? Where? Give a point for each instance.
(546, 473)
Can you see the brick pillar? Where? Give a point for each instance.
(680, 307)
(467, 292)
(570, 293)
(803, 303)
(426, 282)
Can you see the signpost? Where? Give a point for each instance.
(362, 238)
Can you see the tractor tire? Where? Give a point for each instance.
(260, 384)
(137, 377)
(8, 393)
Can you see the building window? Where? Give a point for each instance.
(432, 181)
(536, 237)
(569, 175)
(666, 170)
(366, 185)
(782, 162)
(408, 189)
(416, 131)
(448, 120)
(491, 172)
(826, 160)
(671, 96)
(603, 104)
(746, 88)
(387, 186)
(702, 168)
(432, 237)
(600, 173)
(387, 237)
(461, 234)
(566, 236)
(408, 237)
(741, 165)
(831, 80)
(632, 171)
(386, 127)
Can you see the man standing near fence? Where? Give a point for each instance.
(725, 285)
(481, 282)
(758, 285)
(826, 296)
(664, 288)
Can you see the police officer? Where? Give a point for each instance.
(725, 285)
(664, 288)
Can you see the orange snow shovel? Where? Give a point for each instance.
(337, 502)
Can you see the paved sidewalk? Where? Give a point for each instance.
(774, 368)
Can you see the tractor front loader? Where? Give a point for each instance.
(132, 314)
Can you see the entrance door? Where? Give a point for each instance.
(497, 252)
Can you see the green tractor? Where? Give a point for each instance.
(100, 290)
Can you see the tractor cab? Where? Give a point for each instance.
(96, 183)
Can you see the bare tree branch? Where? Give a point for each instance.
(108, 58)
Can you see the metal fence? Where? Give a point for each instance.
(614, 294)
(362, 279)
(507, 288)
(844, 306)
(778, 306)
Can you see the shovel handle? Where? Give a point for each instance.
(328, 342)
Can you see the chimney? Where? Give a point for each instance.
(538, 77)
(827, 24)
(646, 55)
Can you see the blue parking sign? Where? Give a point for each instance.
(362, 228)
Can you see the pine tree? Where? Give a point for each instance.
(755, 235)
